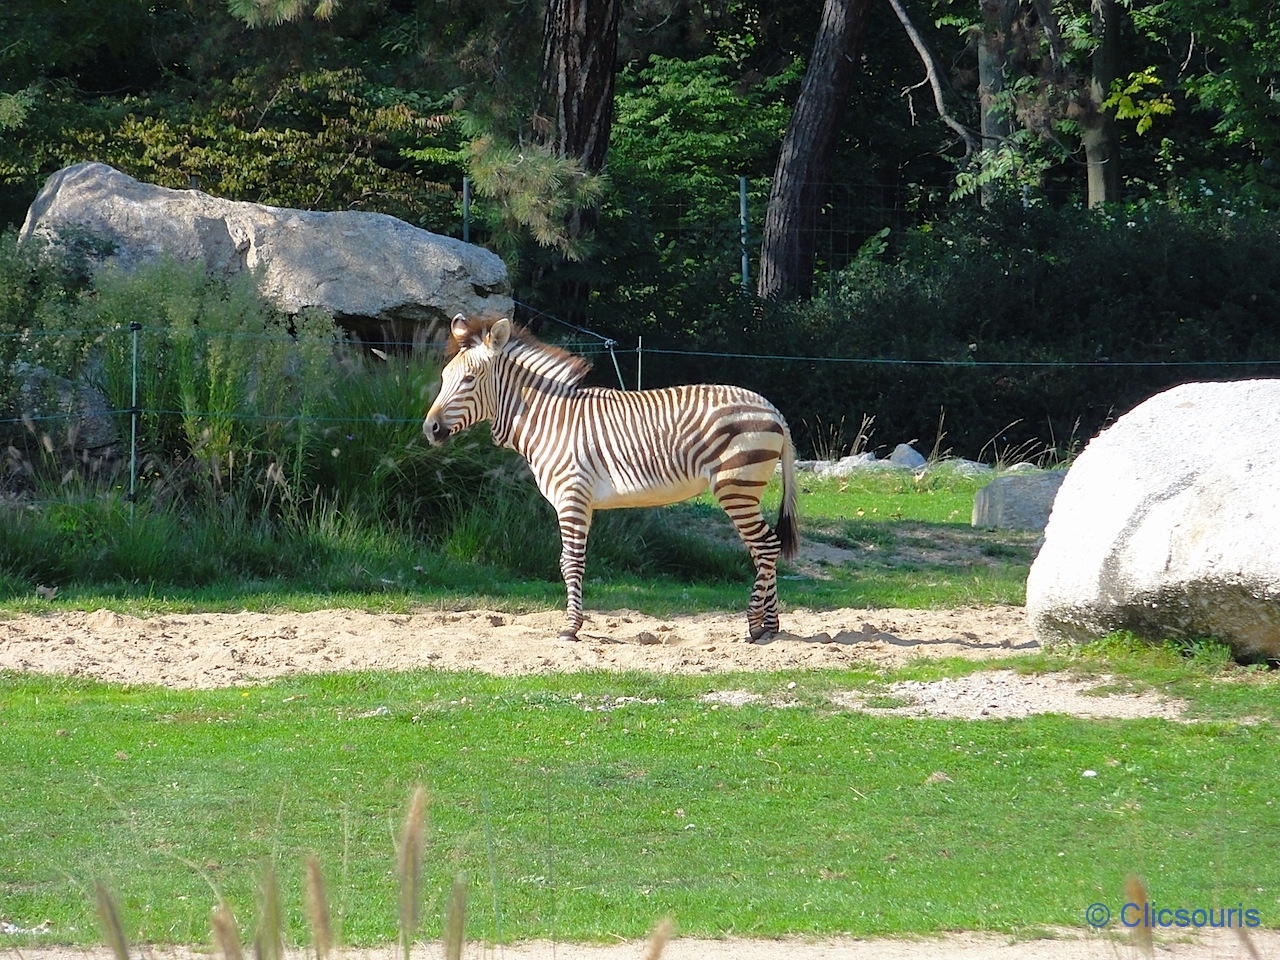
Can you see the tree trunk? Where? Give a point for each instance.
(1101, 145)
(579, 61)
(993, 62)
(788, 248)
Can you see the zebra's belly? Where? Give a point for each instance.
(609, 493)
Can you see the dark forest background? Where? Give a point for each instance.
(1016, 218)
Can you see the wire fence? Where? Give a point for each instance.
(724, 226)
(91, 419)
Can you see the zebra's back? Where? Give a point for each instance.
(654, 447)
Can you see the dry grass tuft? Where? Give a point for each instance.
(226, 933)
(268, 940)
(1135, 891)
(112, 928)
(410, 868)
(318, 916)
(658, 939)
(455, 919)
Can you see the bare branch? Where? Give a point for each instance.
(931, 71)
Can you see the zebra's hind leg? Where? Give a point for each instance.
(575, 523)
(742, 503)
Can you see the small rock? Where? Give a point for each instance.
(905, 455)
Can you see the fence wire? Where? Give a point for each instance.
(583, 341)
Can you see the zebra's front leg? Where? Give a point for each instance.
(575, 523)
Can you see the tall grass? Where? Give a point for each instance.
(269, 932)
(272, 449)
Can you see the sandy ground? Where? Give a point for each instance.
(1068, 945)
(213, 650)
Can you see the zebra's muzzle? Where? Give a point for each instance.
(435, 430)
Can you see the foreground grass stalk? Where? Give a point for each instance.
(455, 919)
(268, 942)
(226, 933)
(410, 868)
(658, 939)
(318, 916)
(1135, 891)
(112, 928)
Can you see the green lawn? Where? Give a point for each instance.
(897, 540)
(587, 807)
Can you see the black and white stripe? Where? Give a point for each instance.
(594, 448)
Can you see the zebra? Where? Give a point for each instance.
(594, 448)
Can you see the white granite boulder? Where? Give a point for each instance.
(1168, 524)
(376, 274)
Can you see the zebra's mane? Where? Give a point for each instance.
(547, 361)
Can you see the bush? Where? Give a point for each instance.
(987, 291)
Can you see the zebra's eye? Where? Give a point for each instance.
(469, 379)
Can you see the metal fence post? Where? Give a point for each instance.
(742, 221)
(466, 209)
(132, 497)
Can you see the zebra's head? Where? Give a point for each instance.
(467, 394)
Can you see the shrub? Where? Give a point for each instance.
(973, 299)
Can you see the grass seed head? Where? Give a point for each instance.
(318, 909)
(226, 933)
(112, 928)
(1135, 891)
(410, 867)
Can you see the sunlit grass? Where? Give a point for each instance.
(587, 807)
(906, 541)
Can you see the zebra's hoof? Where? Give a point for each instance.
(761, 633)
(571, 635)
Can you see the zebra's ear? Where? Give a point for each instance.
(499, 334)
(460, 328)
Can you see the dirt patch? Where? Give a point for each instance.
(1004, 694)
(1066, 945)
(218, 650)
(221, 650)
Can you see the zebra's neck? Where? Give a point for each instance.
(531, 376)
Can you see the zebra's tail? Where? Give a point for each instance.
(788, 526)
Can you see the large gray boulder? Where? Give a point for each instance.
(380, 277)
(1168, 524)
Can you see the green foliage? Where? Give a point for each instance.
(37, 293)
(222, 377)
(324, 139)
(1072, 290)
(275, 12)
(15, 107)
(684, 133)
(271, 450)
(1200, 655)
(534, 189)
(1133, 98)
(1231, 76)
